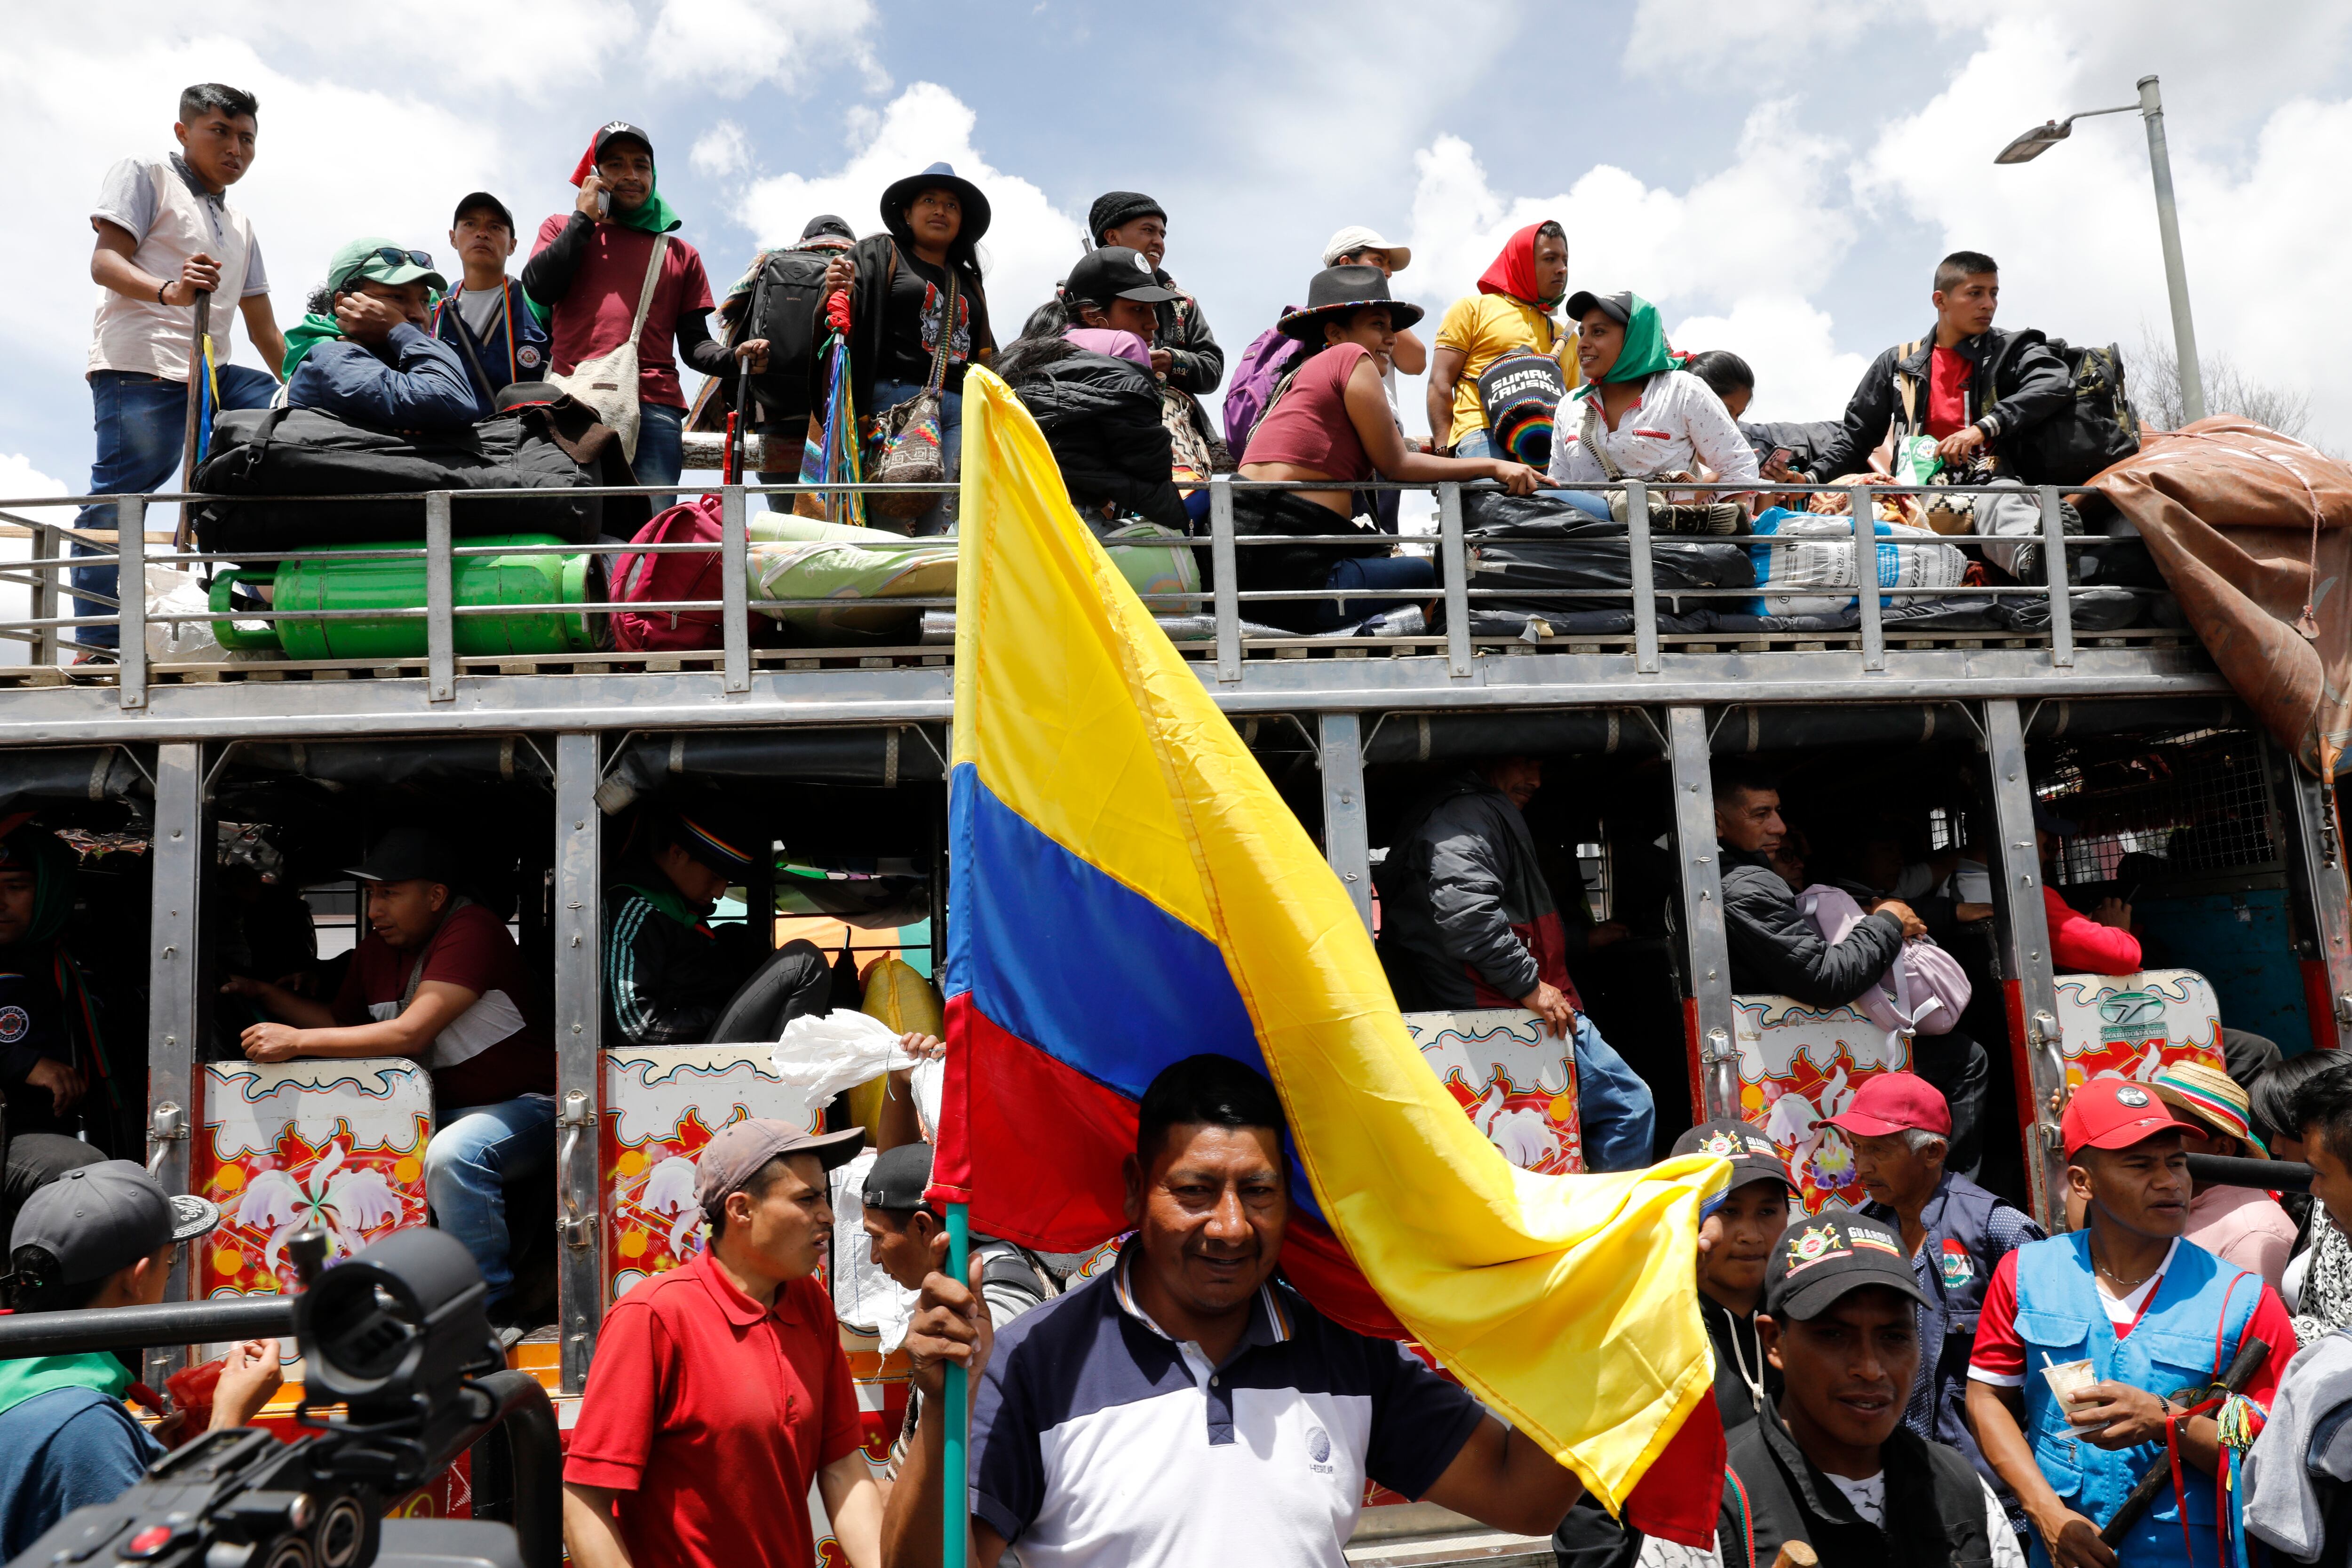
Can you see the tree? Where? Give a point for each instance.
(2152, 377)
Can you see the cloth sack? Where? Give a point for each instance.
(912, 450)
(608, 383)
(1923, 992)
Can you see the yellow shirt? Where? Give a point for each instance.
(1486, 327)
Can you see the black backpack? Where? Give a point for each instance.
(789, 302)
(2095, 428)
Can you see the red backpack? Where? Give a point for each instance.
(667, 578)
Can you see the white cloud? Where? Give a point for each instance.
(19, 477)
(1030, 243)
(721, 152)
(738, 45)
(1673, 37)
(1788, 343)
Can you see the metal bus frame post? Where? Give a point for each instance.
(1347, 841)
(2316, 867)
(175, 1009)
(2026, 962)
(579, 1060)
(1714, 1051)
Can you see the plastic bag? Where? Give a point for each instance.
(823, 1056)
(1916, 462)
(864, 1297)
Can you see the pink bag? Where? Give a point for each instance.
(1923, 992)
(663, 579)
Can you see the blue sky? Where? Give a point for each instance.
(1778, 174)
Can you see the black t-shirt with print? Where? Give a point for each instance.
(910, 325)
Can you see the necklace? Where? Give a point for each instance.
(2120, 1283)
(1740, 1359)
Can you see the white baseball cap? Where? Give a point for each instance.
(1355, 238)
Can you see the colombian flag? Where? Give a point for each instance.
(1129, 890)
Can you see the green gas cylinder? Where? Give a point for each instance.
(398, 583)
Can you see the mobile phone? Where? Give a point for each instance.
(1780, 458)
(604, 204)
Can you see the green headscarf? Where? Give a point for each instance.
(35, 1375)
(305, 336)
(1646, 353)
(655, 216)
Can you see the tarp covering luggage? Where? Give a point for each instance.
(264, 453)
(2253, 531)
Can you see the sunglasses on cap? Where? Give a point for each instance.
(390, 256)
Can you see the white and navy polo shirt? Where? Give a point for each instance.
(1097, 1440)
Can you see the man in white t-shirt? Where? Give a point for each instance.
(166, 234)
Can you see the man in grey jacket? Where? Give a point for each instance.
(1777, 949)
(1469, 921)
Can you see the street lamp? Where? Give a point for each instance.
(2042, 138)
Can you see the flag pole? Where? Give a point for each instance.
(955, 1491)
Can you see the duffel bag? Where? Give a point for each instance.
(262, 453)
(1585, 566)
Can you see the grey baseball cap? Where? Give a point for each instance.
(734, 1155)
(98, 1218)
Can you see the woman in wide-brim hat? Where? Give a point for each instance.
(1331, 419)
(897, 284)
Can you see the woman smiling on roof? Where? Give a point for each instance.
(1638, 417)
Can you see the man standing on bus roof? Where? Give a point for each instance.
(1186, 1406)
(487, 318)
(1470, 923)
(2135, 1322)
(437, 979)
(1775, 949)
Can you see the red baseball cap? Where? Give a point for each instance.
(1893, 1102)
(2115, 1113)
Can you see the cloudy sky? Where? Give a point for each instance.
(1779, 175)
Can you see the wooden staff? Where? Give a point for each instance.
(2250, 1357)
(195, 413)
(1796, 1554)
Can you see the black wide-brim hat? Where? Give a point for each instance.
(1336, 290)
(900, 194)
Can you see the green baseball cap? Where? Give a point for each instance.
(378, 260)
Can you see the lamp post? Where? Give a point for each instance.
(2042, 138)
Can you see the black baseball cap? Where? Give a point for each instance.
(1114, 272)
(1821, 1257)
(895, 1182)
(1752, 1155)
(614, 129)
(98, 1218)
(478, 200)
(408, 855)
(728, 844)
(1617, 307)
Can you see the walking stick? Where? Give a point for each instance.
(195, 418)
(2250, 1357)
(739, 422)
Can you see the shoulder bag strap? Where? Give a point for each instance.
(1907, 386)
(1591, 436)
(474, 350)
(939, 377)
(645, 294)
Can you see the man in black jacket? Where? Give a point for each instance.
(669, 973)
(1185, 355)
(1777, 949)
(1971, 385)
(1469, 921)
(1831, 1464)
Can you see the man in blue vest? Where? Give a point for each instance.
(1954, 1232)
(487, 318)
(2134, 1324)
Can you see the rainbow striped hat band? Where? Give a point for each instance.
(2211, 1097)
(713, 850)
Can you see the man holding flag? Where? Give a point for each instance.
(1187, 1406)
(1097, 794)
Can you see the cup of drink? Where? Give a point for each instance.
(2069, 1379)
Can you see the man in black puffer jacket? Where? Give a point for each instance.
(1777, 949)
(1972, 385)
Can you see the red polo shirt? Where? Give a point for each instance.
(712, 1418)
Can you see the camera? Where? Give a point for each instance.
(403, 1374)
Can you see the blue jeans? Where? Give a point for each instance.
(142, 423)
(480, 1152)
(1613, 1106)
(1377, 571)
(661, 448)
(888, 394)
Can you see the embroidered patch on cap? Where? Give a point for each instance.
(1142, 263)
(1815, 1244)
(1877, 1240)
(2135, 1098)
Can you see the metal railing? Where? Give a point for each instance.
(1217, 623)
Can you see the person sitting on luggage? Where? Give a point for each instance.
(1469, 921)
(668, 973)
(1829, 1464)
(907, 1239)
(1331, 420)
(2095, 1347)
(1082, 366)
(1741, 1231)
(99, 1238)
(487, 318)
(1954, 1232)
(439, 980)
(371, 359)
(1782, 446)
(1638, 418)
(2243, 1226)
